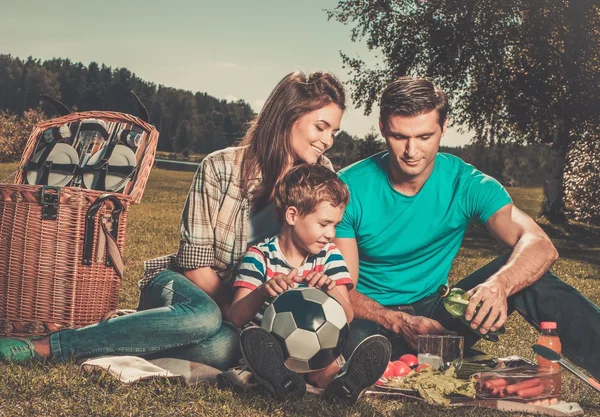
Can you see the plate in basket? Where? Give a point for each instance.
(62, 153)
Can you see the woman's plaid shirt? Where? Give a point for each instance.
(214, 222)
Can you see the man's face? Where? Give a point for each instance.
(413, 143)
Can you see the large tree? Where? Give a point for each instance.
(521, 71)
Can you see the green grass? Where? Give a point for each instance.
(153, 230)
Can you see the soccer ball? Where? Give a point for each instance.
(310, 326)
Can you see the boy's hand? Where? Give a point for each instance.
(318, 280)
(280, 283)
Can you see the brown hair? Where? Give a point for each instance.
(306, 186)
(412, 96)
(268, 138)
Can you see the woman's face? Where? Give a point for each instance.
(312, 134)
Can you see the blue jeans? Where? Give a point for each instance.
(548, 299)
(175, 319)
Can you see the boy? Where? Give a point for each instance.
(309, 203)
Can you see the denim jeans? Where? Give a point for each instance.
(548, 299)
(175, 319)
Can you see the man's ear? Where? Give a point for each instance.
(291, 215)
(444, 127)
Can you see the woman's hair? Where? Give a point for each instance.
(305, 187)
(268, 138)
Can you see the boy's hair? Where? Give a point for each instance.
(305, 186)
(412, 96)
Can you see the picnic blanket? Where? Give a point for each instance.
(133, 369)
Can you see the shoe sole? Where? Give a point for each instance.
(365, 367)
(264, 357)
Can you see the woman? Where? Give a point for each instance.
(185, 297)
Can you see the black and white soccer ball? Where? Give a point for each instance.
(310, 326)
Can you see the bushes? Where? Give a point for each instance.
(14, 132)
(582, 180)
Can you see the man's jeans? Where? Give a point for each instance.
(548, 299)
(176, 319)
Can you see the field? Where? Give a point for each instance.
(49, 390)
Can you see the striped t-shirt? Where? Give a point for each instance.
(265, 260)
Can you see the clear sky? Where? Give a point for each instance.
(228, 48)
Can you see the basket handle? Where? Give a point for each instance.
(90, 218)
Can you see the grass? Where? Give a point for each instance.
(64, 390)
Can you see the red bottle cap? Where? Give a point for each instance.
(548, 325)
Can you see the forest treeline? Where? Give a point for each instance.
(188, 122)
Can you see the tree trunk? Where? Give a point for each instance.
(553, 207)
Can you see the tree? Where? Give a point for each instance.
(520, 71)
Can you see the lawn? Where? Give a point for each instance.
(153, 230)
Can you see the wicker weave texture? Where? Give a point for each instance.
(44, 285)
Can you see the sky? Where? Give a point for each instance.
(230, 49)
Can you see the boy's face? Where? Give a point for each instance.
(313, 231)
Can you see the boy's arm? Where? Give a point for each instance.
(340, 293)
(246, 303)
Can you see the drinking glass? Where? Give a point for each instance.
(441, 351)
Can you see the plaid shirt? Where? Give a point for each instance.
(214, 222)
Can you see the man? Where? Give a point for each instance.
(408, 213)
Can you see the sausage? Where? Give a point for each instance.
(494, 383)
(531, 392)
(529, 383)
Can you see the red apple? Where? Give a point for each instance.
(410, 360)
(422, 366)
(390, 370)
(401, 368)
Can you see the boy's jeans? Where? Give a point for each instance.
(175, 319)
(548, 299)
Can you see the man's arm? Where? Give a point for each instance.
(533, 254)
(366, 308)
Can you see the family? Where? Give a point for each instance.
(380, 237)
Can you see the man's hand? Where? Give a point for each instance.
(493, 298)
(410, 327)
(280, 283)
(318, 280)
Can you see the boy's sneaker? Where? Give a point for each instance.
(264, 357)
(365, 366)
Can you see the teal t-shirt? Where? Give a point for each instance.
(406, 244)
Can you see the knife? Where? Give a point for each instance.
(554, 357)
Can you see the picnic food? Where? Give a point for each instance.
(401, 368)
(410, 360)
(518, 383)
(456, 301)
(434, 386)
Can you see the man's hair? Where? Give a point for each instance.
(412, 96)
(306, 186)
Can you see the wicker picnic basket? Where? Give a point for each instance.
(61, 247)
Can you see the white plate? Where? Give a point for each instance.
(121, 156)
(62, 153)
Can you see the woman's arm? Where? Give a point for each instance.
(211, 284)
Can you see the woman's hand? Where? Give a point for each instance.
(280, 283)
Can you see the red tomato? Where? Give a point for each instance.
(401, 368)
(422, 366)
(390, 370)
(410, 360)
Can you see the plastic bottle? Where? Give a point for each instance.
(549, 338)
(456, 301)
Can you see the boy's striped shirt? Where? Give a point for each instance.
(265, 260)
